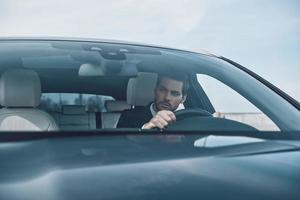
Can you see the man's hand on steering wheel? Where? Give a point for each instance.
(162, 119)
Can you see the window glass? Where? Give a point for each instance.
(231, 105)
(55, 101)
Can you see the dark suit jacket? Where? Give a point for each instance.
(135, 118)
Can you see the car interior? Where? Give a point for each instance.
(21, 91)
(75, 117)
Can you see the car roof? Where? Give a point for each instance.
(79, 39)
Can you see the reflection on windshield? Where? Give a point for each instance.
(222, 141)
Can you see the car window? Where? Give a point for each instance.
(53, 102)
(231, 105)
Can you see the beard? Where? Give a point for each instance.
(163, 105)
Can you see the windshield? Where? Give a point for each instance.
(69, 85)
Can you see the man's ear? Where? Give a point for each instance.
(183, 99)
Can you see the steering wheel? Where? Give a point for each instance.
(202, 120)
(187, 113)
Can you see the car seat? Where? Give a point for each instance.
(20, 92)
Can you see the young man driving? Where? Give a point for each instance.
(170, 92)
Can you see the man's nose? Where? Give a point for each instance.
(168, 96)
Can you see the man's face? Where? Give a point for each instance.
(168, 94)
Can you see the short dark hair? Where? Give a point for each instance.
(178, 77)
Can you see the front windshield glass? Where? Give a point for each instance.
(120, 86)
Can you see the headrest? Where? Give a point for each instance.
(140, 90)
(116, 106)
(73, 110)
(20, 88)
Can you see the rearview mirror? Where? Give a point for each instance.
(88, 69)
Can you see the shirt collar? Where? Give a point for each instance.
(153, 112)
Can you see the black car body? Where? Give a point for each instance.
(197, 157)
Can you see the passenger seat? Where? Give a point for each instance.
(20, 92)
(114, 109)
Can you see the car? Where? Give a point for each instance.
(236, 135)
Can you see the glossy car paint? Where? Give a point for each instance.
(149, 167)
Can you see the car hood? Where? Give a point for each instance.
(150, 167)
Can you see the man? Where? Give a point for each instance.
(170, 92)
